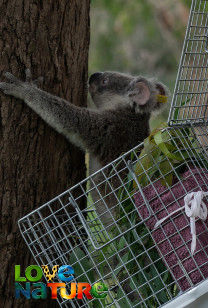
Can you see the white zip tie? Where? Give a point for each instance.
(194, 207)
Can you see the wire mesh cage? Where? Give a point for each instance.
(189, 102)
(135, 235)
(114, 240)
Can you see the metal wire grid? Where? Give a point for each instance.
(121, 251)
(189, 103)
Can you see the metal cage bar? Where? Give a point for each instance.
(189, 103)
(125, 253)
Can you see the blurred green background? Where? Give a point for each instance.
(141, 37)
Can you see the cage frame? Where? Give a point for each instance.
(182, 298)
(197, 34)
(202, 132)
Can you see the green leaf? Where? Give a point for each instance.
(123, 302)
(119, 266)
(166, 276)
(164, 148)
(122, 243)
(167, 171)
(148, 157)
(84, 272)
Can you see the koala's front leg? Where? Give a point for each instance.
(49, 107)
(71, 121)
(16, 87)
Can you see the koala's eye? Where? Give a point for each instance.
(105, 81)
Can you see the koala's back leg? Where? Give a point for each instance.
(104, 202)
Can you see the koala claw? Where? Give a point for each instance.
(18, 88)
(3, 85)
(13, 86)
(29, 79)
(28, 75)
(12, 78)
(38, 82)
(6, 87)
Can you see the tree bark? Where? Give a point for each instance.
(36, 163)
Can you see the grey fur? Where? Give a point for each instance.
(116, 126)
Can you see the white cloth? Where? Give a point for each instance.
(194, 207)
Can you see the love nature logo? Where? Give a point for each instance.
(30, 285)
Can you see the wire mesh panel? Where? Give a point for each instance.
(189, 102)
(114, 240)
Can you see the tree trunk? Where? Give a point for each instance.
(36, 163)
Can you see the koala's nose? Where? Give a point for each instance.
(95, 77)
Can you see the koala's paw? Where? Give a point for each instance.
(12, 87)
(18, 88)
(36, 83)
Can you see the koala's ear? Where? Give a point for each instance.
(163, 94)
(162, 89)
(140, 92)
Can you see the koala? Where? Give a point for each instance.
(119, 122)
